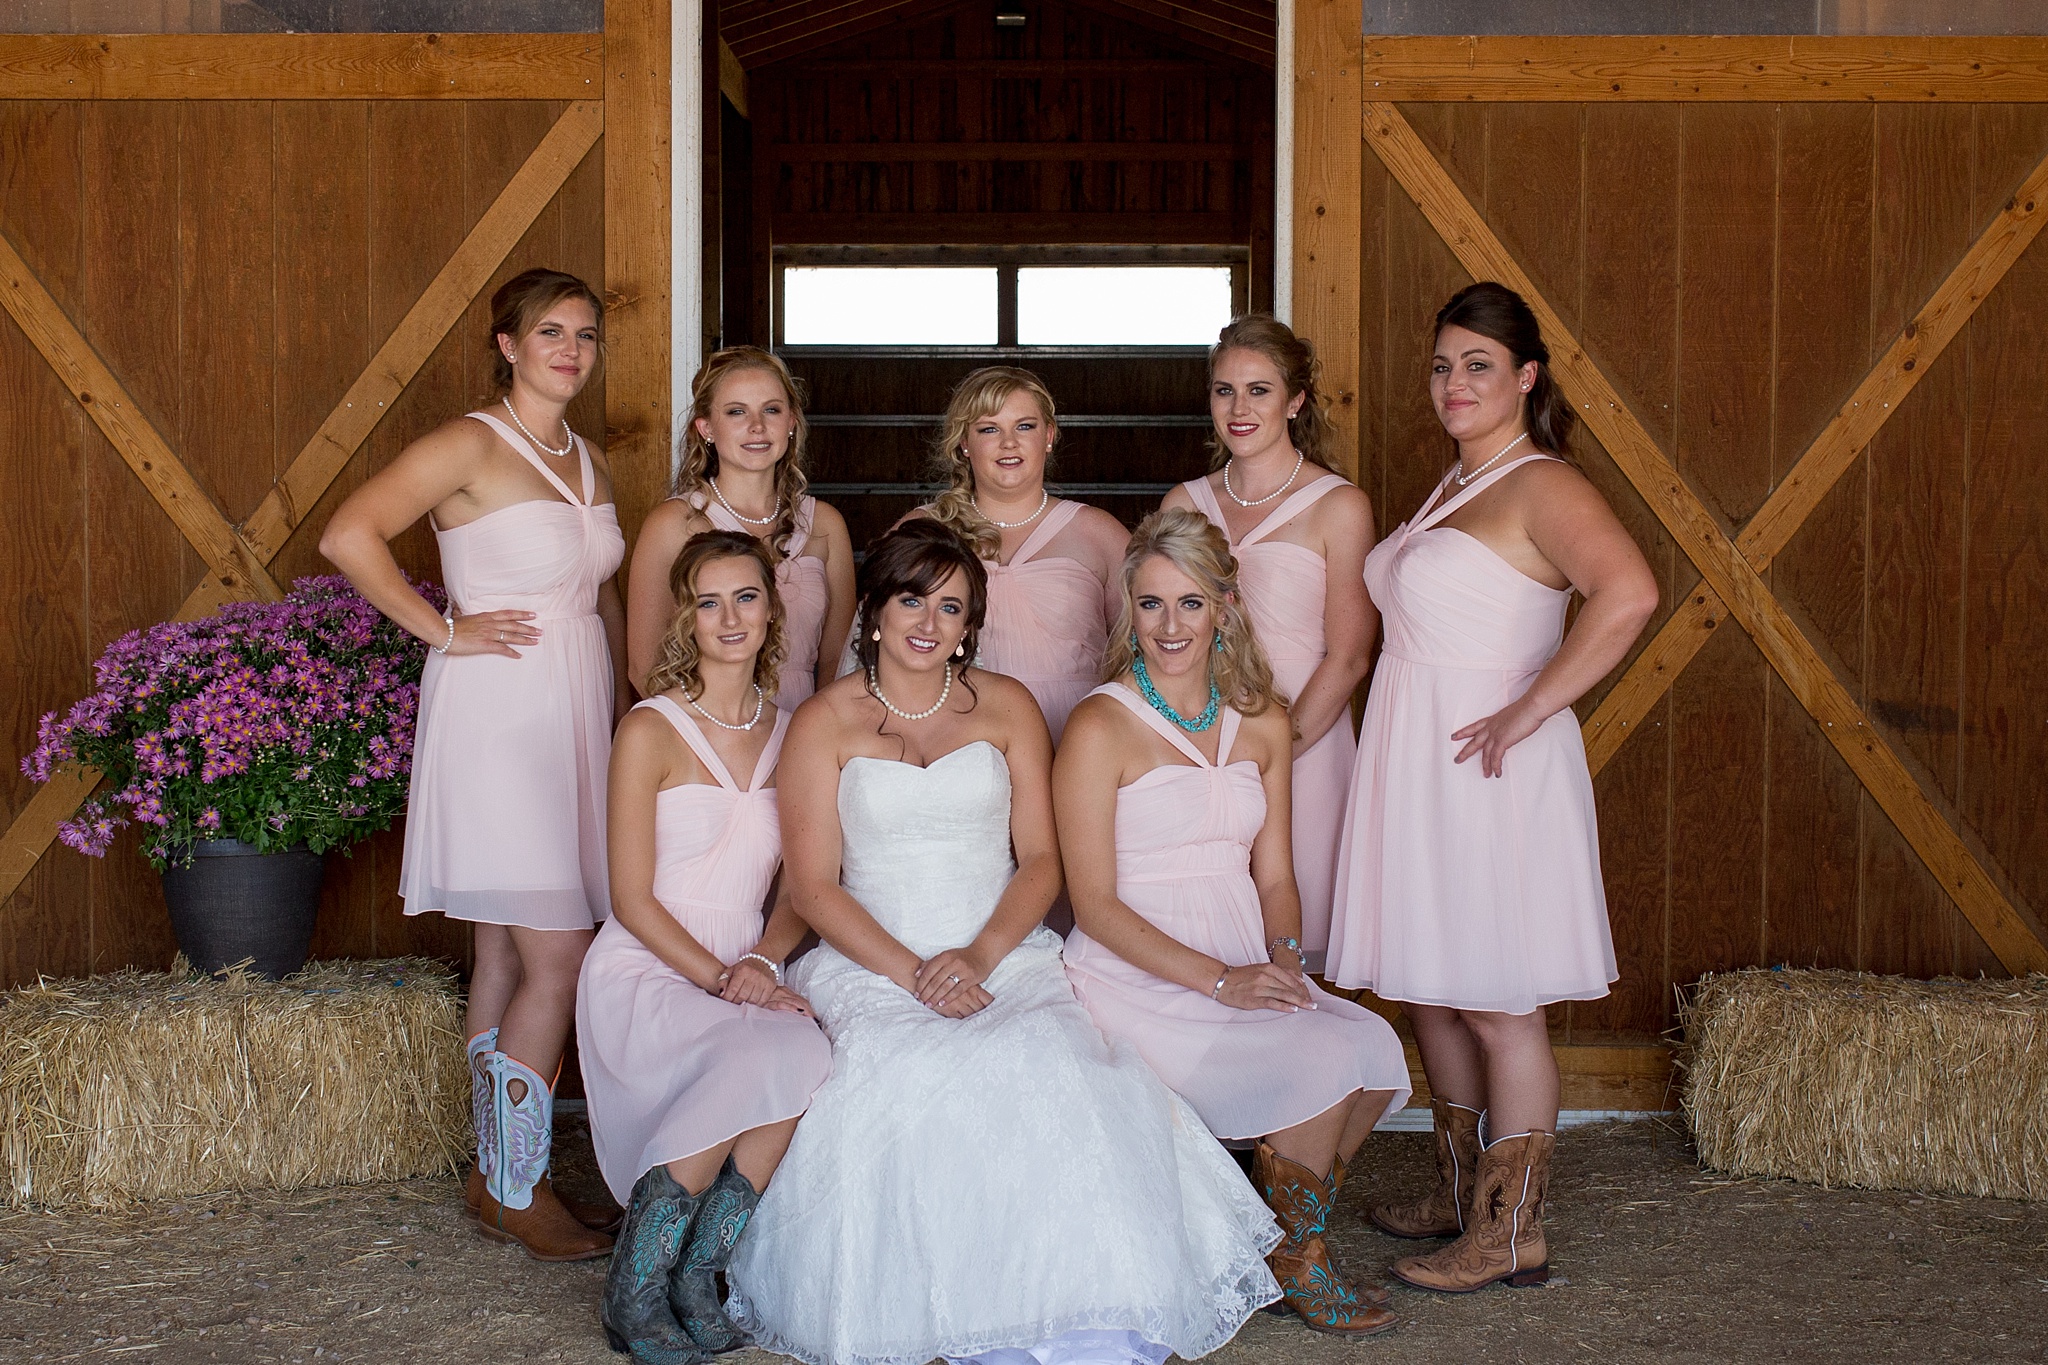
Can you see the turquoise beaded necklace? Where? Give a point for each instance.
(1151, 694)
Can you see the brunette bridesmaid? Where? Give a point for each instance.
(743, 470)
(1172, 805)
(1469, 884)
(696, 1058)
(1300, 533)
(1051, 563)
(505, 822)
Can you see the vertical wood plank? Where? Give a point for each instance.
(636, 218)
(43, 492)
(1531, 193)
(1726, 239)
(1628, 306)
(1824, 348)
(1329, 91)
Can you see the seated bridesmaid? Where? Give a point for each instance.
(1172, 802)
(696, 1058)
(742, 469)
(1051, 562)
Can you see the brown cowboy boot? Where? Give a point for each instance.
(518, 1203)
(1301, 1263)
(1504, 1237)
(1441, 1212)
(604, 1217)
(598, 1217)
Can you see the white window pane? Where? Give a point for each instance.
(1122, 305)
(863, 305)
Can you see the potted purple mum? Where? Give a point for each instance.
(246, 745)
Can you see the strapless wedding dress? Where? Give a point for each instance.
(1010, 1185)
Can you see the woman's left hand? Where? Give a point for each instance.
(747, 982)
(1493, 737)
(943, 975)
(788, 1001)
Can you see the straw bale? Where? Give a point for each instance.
(1845, 1078)
(143, 1085)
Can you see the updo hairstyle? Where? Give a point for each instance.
(1311, 430)
(915, 558)
(519, 305)
(981, 394)
(1192, 544)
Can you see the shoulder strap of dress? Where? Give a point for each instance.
(525, 448)
(1204, 498)
(589, 471)
(806, 517)
(1233, 721)
(1297, 502)
(1478, 486)
(693, 735)
(765, 764)
(1041, 535)
(1143, 710)
(715, 513)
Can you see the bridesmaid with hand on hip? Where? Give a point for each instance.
(1300, 533)
(697, 1058)
(743, 471)
(505, 822)
(1052, 563)
(1469, 885)
(1172, 807)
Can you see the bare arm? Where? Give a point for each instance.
(1110, 540)
(641, 761)
(747, 981)
(1350, 621)
(650, 606)
(840, 595)
(612, 612)
(1273, 849)
(1572, 526)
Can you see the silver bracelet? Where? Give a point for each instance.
(774, 969)
(1216, 991)
(443, 647)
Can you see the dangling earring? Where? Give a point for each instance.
(960, 650)
(877, 636)
(1134, 642)
(1219, 642)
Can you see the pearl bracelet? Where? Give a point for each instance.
(1216, 991)
(444, 646)
(774, 969)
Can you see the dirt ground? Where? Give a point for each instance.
(1652, 1260)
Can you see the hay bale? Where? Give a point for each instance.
(1844, 1078)
(144, 1085)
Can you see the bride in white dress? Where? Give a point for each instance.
(984, 1175)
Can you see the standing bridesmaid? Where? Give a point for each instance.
(1469, 884)
(698, 1060)
(1052, 563)
(505, 822)
(1300, 533)
(743, 470)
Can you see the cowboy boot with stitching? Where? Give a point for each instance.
(604, 1217)
(519, 1205)
(634, 1310)
(722, 1215)
(1301, 1263)
(1441, 1212)
(1503, 1238)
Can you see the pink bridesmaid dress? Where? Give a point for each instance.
(1455, 888)
(670, 1069)
(800, 579)
(1046, 625)
(1284, 585)
(505, 820)
(1184, 837)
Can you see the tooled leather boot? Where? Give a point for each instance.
(634, 1310)
(1503, 1239)
(518, 1204)
(1301, 1263)
(604, 1217)
(723, 1212)
(1441, 1212)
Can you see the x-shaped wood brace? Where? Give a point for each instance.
(1734, 585)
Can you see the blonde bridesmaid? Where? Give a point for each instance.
(1300, 533)
(743, 471)
(1469, 885)
(1051, 562)
(696, 1058)
(524, 681)
(1172, 805)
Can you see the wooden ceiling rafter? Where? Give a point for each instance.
(772, 32)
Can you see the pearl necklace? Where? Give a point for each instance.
(1464, 479)
(1150, 693)
(768, 520)
(1298, 458)
(1044, 497)
(875, 687)
(760, 704)
(537, 440)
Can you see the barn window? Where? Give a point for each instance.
(889, 305)
(1122, 305)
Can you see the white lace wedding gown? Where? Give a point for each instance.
(1010, 1185)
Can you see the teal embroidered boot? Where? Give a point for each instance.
(635, 1310)
(722, 1215)
(1301, 1263)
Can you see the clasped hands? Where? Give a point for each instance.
(950, 983)
(747, 982)
(1278, 985)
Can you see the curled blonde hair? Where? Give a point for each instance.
(1191, 543)
(1311, 429)
(699, 464)
(981, 394)
(679, 662)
